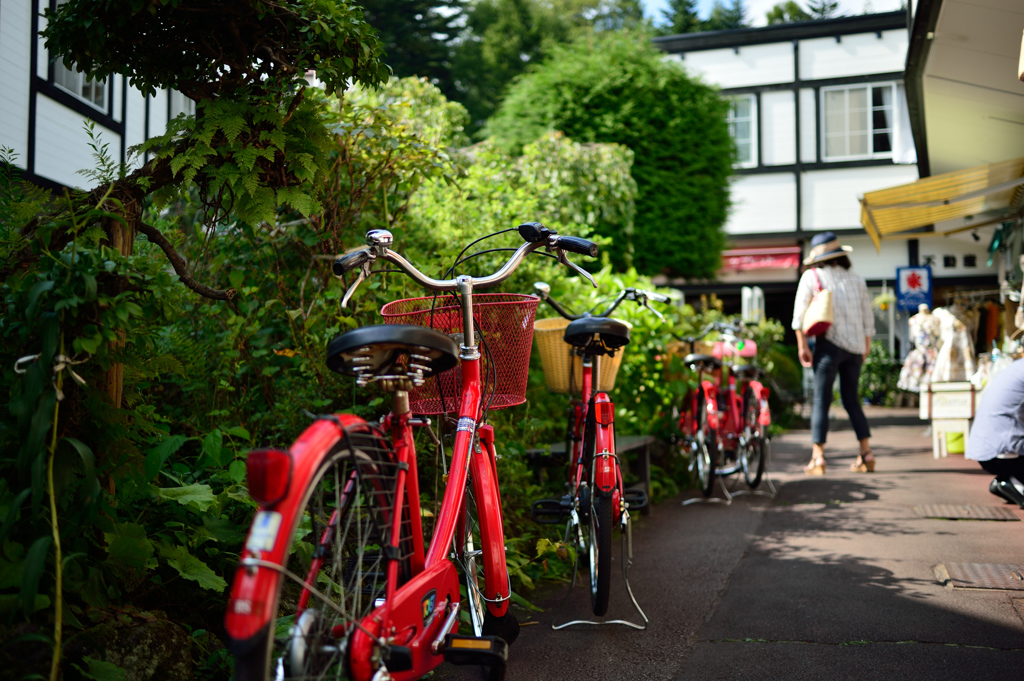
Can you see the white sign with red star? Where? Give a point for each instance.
(913, 287)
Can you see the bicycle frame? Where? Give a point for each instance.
(414, 615)
(604, 469)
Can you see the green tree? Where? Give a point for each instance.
(786, 12)
(616, 87)
(681, 17)
(725, 17)
(823, 9)
(505, 37)
(418, 36)
(259, 139)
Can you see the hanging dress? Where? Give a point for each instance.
(925, 334)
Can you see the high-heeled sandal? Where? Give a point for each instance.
(865, 463)
(815, 467)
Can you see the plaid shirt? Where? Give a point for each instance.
(853, 322)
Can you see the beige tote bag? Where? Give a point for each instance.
(818, 316)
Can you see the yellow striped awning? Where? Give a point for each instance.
(895, 212)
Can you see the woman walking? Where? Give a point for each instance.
(840, 350)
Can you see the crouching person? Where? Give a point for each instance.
(997, 435)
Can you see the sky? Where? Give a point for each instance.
(756, 9)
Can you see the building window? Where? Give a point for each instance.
(80, 86)
(858, 121)
(742, 121)
(74, 81)
(180, 104)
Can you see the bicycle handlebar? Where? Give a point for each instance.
(640, 296)
(713, 326)
(536, 236)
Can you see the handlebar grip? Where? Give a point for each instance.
(657, 297)
(351, 261)
(575, 244)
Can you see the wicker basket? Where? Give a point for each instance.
(562, 366)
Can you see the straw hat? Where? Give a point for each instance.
(825, 246)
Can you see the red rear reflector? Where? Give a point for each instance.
(269, 472)
(604, 412)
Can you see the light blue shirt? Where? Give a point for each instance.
(999, 418)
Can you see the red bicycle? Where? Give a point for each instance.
(597, 501)
(335, 580)
(725, 418)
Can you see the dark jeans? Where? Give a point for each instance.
(829, 360)
(1004, 468)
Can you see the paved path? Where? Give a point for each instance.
(831, 580)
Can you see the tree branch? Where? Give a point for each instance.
(178, 263)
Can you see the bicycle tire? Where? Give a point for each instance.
(473, 568)
(362, 528)
(707, 449)
(600, 553)
(755, 447)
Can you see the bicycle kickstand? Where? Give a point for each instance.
(627, 562)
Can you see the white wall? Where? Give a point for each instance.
(853, 55)
(62, 146)
(778, 128)
(762, 203)
(830, 197)
(872, 264)
(15, 58)
(158, 113)
(808, 127)
(135, 123)
(42, 54)
(960, 245)
(750, 65)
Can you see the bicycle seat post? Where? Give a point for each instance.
(468, 349)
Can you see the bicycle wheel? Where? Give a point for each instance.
(344, 524)
(753, 454)
(707, 448)
(471, 563)
(599, 550)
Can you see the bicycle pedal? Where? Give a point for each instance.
(487, 651)
(551, 511)
(635, 498)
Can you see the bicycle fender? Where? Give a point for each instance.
(418, 612)
(605, 475)
(492, 533)
(761, 393)
(252, 605)
(711, 403)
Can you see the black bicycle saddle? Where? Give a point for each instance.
(746, 370)
(597, 335)
(390, 349)
(708, 361)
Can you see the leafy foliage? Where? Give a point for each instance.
(786, 12)
(505, 37)
(726, 15)
(419, 37)
(617, 88)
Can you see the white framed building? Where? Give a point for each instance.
(45, 105)
(820, 117)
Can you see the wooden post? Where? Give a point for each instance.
(122, 239)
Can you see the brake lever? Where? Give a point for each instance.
(646, 303)
(364, 272)
(565, 261)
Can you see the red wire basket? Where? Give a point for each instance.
(504, 324)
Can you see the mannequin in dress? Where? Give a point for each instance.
(955, 360)
(925, 331)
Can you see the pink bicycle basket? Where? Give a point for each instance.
(504, 323)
